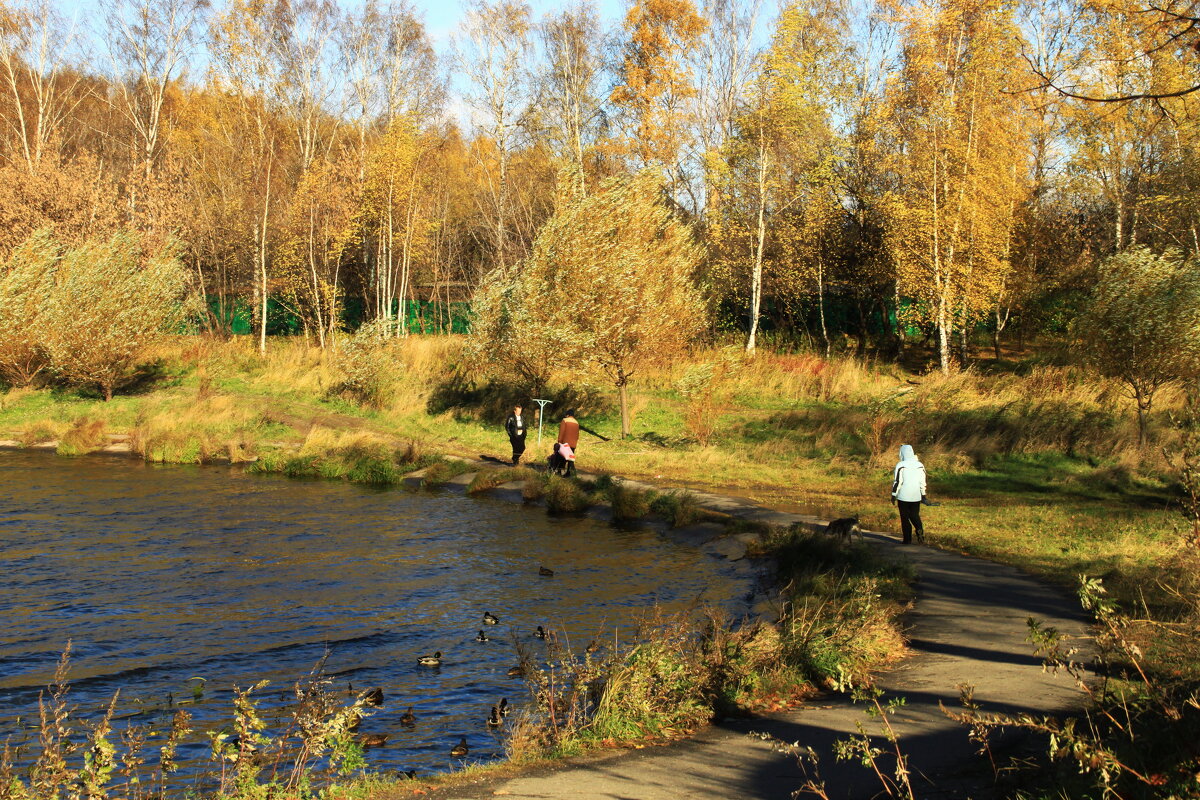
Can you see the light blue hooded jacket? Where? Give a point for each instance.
(909, 483)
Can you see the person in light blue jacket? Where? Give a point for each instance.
(908, 492)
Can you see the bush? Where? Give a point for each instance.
(565, 495)
(111, 303)
(679, 507)
(369, 368)
(628, 503)
(85, 435)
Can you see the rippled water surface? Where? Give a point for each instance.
(161, 574)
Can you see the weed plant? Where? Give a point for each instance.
(75, 758)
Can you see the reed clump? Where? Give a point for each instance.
(487, 479)
(86, 435)
(565, 495)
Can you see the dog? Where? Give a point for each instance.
(845, 529)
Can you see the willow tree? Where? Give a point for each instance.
(613, 274)
(1142, 325)
(960, 150)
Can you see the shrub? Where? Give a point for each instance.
(369, 367)
(628, 503)
(565, 495)
(85, 435)
(112, 302)
(679, 507)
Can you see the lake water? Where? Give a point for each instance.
(160, 574)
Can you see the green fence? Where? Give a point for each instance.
(423, 316)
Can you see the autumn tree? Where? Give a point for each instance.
(112, 302)
(568, 88)
(655, 84)
(321, 224)
(493, 53)
(1142, 325)
(40, 82)
(778, 182)
(958, 150)
(612, 274)
(149, 42)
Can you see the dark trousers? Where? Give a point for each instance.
(910, 520)
(518, 446)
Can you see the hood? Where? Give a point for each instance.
(906, 453)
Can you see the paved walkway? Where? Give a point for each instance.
(968, 626)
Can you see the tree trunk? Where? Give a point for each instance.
(756, 280)
(622, 390)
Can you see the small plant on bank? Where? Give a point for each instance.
(628, 502)
(679, 507)
(487, 479)
(565, 495)
(85, 435)
(441, 472)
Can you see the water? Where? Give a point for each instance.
(160, 574)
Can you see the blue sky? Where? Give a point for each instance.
(441, 16)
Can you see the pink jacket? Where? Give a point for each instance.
(566, 452)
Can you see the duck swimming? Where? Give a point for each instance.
(482, 637)
(460, 750)
(540, 633)
(373, 739)
(545, 573)
(494, 720)
(408, 719)
(489, 619)
(503, 707)
(431, 661)
(516, 672)
(373, 697)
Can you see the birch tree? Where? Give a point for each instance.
(42, 87)
(493, 52)
(958, 146)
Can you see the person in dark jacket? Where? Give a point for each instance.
(515, 427)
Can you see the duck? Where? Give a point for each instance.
(503, 707)
(540, 633)
(494, 720)
(373, 697)
(408, 719)
(372, 739)
(460, 750)
(482, 637)
(545, 572)
(490, 619)
(410, 774)
(354, 721)
(431, 661)
(516, 672)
